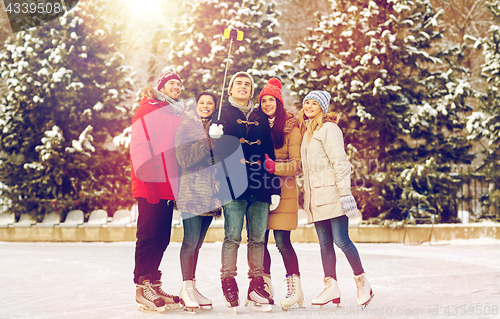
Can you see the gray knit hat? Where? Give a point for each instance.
(322, 97)
(239, 74)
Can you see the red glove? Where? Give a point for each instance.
(270, 165)
(151, 193)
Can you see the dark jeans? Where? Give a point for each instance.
(154, 226)
(284, 244)
(195, 229)
(336, 230)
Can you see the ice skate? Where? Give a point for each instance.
(204, 302)
(365, 292)
(268, 287)
(146, 296)
(294, 293)
(171, 302)
(258, 298)
(230, 290)
(330, 293)
(188, 297)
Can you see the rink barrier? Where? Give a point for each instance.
(304, 233)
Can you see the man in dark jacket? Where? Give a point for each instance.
(154, 185)
(242, 124)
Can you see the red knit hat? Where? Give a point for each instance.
(273, 88)
(165, 77)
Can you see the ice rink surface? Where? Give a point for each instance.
(94, 280)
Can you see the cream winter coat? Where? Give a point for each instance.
(327, 172)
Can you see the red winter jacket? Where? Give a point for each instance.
(152, 149)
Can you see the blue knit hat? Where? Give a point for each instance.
(322, 97)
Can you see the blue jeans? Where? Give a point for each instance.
(195, 229)
(284, 244)
(336, 230)
(256, 213)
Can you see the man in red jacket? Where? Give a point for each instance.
(154, 184)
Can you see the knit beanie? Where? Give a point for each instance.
(322, 97)
(273, 88)
(243, 74)
(165, 77)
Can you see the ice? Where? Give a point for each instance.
(94, 280)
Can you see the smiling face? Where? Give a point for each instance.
(241, 90)
(172, 88)
(311, 108)
(268, 105)
(206, 106)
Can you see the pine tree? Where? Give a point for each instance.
(199, 50)
(402, 102)
(486, 122)
(66, 101)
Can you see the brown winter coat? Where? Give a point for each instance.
(198, 187)
(327, 172)
(284, 217)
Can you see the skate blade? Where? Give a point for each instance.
(146, 309)
(363, 306)
(173, 306)
(254, 306)
(206, 307)
(288, 307)
(191, 311)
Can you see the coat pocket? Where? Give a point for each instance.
(324, 189)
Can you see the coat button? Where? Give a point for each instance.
(157, 167)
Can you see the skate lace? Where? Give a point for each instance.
(148, 292)
(360, 291)
(199, 295)
(191, 293)
(159, 290)
(289, 286)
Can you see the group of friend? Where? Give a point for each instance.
(238, 161)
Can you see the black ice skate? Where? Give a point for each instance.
(230, 290)
(258, 298)
(146, 296)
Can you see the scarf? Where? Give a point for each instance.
(177, 106)
(271, 121)
(247, 110)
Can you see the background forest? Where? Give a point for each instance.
(416, 83)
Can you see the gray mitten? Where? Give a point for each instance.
(349, 206)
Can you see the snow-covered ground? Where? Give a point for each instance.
(94, 280)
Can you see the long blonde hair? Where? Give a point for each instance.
(316, 123)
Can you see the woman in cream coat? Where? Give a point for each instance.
(327, 194)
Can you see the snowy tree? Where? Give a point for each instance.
(199, 50)
(67, 88)
(486, 122)
(402, 101)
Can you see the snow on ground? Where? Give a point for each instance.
(94, 280)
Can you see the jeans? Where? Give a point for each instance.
(256, 213)
(336, 230)
(154, 226)
(195, 229)
(282, 238)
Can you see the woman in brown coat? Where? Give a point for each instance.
(282, 220)
(197, 197)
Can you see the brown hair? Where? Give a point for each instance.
(147, 91)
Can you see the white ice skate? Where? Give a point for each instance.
(258, 298)
(365, 292)
(269, 286)
(204, 302)
(188, 297)
(294, 293)
(147, 298)
(330, 293)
